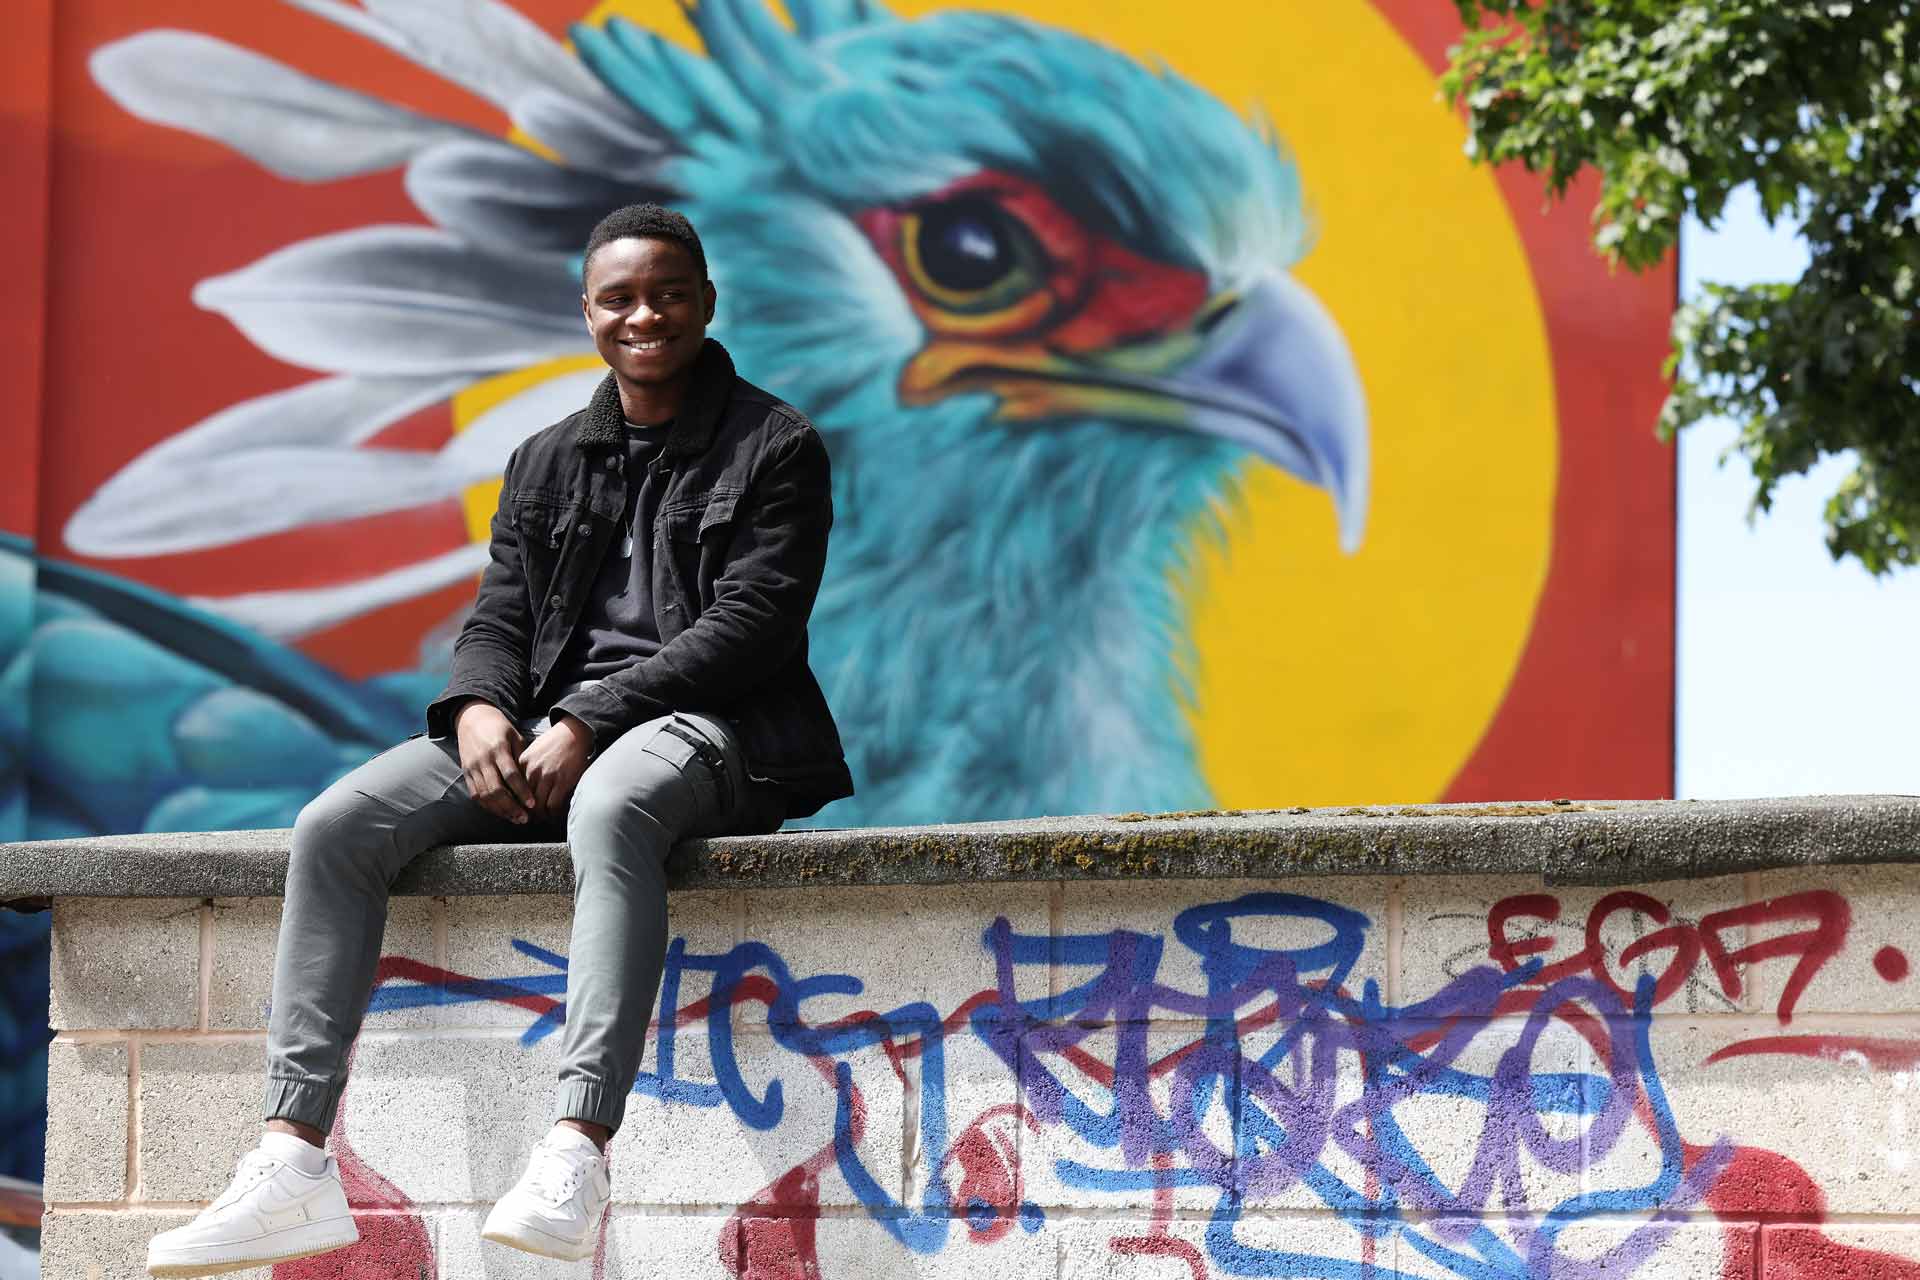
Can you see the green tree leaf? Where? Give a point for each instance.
(1816, 103)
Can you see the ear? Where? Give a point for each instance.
(711, 294)
(586, 311)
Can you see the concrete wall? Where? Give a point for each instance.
(1352, 1077)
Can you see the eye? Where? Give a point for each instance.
(971, 256)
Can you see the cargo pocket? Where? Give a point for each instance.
(670, 743)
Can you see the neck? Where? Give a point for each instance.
(653, 404)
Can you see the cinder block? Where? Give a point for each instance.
(1444, 929)
(705, 1150)
(200, 1107)
(1877, 968)
(482, 933)
(1447, 923)
(1315, 1245)
(247, 930)
(1347, 916)
(1297, 1117)
(447, 1118)
(130, 963)
(1470, 1117)
(1445, 1249)
(86, 1121)
(860, 1248)
(1116, 1103)
(1842, 1251)
(637, 1247)
(958, 1085)
(108, 1244)
(1850, 1126)
(654, 1247)
(1122, 1249)
(394, 1242)
(905, 945)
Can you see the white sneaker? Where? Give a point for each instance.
(556, 1207)
(271, 1212)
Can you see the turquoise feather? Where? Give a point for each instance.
(1001, 631)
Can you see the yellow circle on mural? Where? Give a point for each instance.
(1322, 677)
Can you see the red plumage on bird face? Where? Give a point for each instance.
(1022, 300)
(1019, 298)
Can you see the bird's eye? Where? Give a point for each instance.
(970, 256)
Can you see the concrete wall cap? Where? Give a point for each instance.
(1569, 842)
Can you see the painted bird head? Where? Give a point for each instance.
(1035, 294)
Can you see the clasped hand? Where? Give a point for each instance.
(515, 779)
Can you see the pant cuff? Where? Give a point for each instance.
(309, 1102)
(590, 1101)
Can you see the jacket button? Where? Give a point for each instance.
(612, 462)
(556, 601)
(584, 529)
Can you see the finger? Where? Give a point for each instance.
(490, 796)
(514, 780)
(536, 780)
(546, 781)
(564, 781)
(480, 786)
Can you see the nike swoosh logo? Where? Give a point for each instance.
(279, 1209)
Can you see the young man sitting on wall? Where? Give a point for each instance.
(634, 671)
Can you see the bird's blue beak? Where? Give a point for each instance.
(1274, 376)
(1264, 368)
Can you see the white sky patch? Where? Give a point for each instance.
(1796, 675)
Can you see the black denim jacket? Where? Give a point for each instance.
(739, 545)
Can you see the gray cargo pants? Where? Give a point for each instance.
(680, 775)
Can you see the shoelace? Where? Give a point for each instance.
(252, 1167)
(555, 1172)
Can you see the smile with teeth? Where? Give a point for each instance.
(643, 344)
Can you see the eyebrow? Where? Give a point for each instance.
(621, 282)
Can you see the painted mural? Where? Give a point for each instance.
(1524, 1109)
(1195, 443)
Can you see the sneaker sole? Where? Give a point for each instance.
(318, 1243)
(526, 1239)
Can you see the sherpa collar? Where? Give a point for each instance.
(605, 425)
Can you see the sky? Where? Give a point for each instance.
(1797, 675)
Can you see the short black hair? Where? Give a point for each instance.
(645, 222)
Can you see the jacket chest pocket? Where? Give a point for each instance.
(698, 531)
(546, 529)
(695, 519)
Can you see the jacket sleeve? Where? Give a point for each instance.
(775, 557)
(490, 656)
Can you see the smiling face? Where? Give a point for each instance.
(648, 310)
